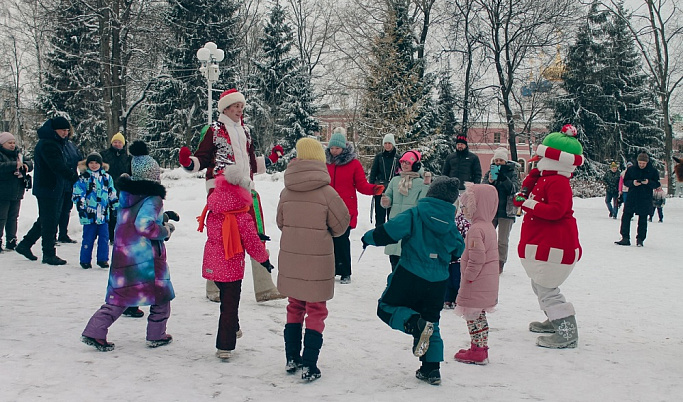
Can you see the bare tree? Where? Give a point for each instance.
(657, 29)
(516, 30)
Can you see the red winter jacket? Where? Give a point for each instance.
(347, 177)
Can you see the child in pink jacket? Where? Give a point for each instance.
(230, 232)
(479, 269)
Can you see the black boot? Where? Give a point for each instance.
(134, 312)
(293, 347)
(25, 251)
(429, 372)
(53, 260)
(12, 243)
(313, 341)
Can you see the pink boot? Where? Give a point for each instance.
(474, 355)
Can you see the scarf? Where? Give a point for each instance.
(232, 242)
(406, 182)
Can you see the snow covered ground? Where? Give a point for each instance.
(628, 304)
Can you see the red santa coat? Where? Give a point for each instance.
(347, 177)
(227, 197)
(227, 147)
(549, 241)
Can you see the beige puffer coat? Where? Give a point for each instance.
(309, 214)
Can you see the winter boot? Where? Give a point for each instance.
(313, 341)
(134, 312)
(566, 334)
(160, 342)
(293, 347)
(100, 344)
(623, 242)
(429, 372)
(103, 264)
(421, 330)
(66, 239)
(12, 243)
(25, 251)
(473, 355)
(224, 355)
(86, 265)
(53, 260)
(544, 327)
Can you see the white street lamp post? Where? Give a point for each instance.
(209, 56)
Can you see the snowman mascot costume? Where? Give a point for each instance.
(549, 241)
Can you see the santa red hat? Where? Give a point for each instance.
(229, 97)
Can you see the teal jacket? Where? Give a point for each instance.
(430, 238)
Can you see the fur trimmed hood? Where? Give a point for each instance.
(82, 167)
(144, 188)
(347, 155)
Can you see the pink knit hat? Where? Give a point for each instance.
(5, 136)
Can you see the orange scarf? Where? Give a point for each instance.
(232, 242)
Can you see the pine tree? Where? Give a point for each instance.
(71, 83)
(298, 110)
(176, 105)
(440, 144)
(394, 87)
(272, 86)
(607, 97)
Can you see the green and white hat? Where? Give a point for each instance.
(563, 147)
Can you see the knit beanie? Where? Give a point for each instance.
(118, 136)
(461, 139)
(411, 156)
(613, 165)
(310, 149)
(642, 157)
(390, 139)
(444, 188)
(60, 123)
(229, 97)
(563, 147)
(143, 166)
(5, 136)
(93, 157)
(338, 138)
(500, 153)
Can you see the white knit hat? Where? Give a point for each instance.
(501, 153)
(229, 97)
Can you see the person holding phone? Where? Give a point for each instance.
(641, 180)
(503, 176)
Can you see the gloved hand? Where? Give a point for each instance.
(276, 153)
(184, 157)
(263, 237)
(91, 210)
(519, 199)
(171, 215)
(171, 228)
(385, 201)
(267, 265)
(378, 190)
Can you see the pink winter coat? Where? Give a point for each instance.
(229, 197)
(479, 262)
(309, 213)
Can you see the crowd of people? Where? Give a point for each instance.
(447, 239)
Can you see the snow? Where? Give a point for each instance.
(629, 313)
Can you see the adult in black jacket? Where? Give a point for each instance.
(118, 159)
(384, 167)
(641, 180)
(462, 164)
(52, 177)
(13, 168)
(611, 179)
(73, 156)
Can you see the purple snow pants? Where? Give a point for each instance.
(99, 323)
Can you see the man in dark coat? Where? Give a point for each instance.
(611, 180)
(384, 168)
(52, 177)
(118, 159)
(462, 164)
(73, 156)
(641, 181)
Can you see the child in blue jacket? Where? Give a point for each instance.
(94, 196)
(413, 298)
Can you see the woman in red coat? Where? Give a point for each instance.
(346, 176)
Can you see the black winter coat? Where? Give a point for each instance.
(73, 156)
(384, 167)
(611, 180)
(118, 161)
(507, 184)
(639, 198)
(11, 186)
(53, 176)
(464, 165)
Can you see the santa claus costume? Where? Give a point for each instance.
(549, 241)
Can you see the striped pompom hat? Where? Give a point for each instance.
(563, 147)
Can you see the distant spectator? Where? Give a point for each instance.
(13, 170)
(384, 167)
(462, 164)
(611, 179)
(118, 159)
(73, 156)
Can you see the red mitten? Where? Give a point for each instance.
(519, 199)
(378, 190)
(276, 153)
(184, 157)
